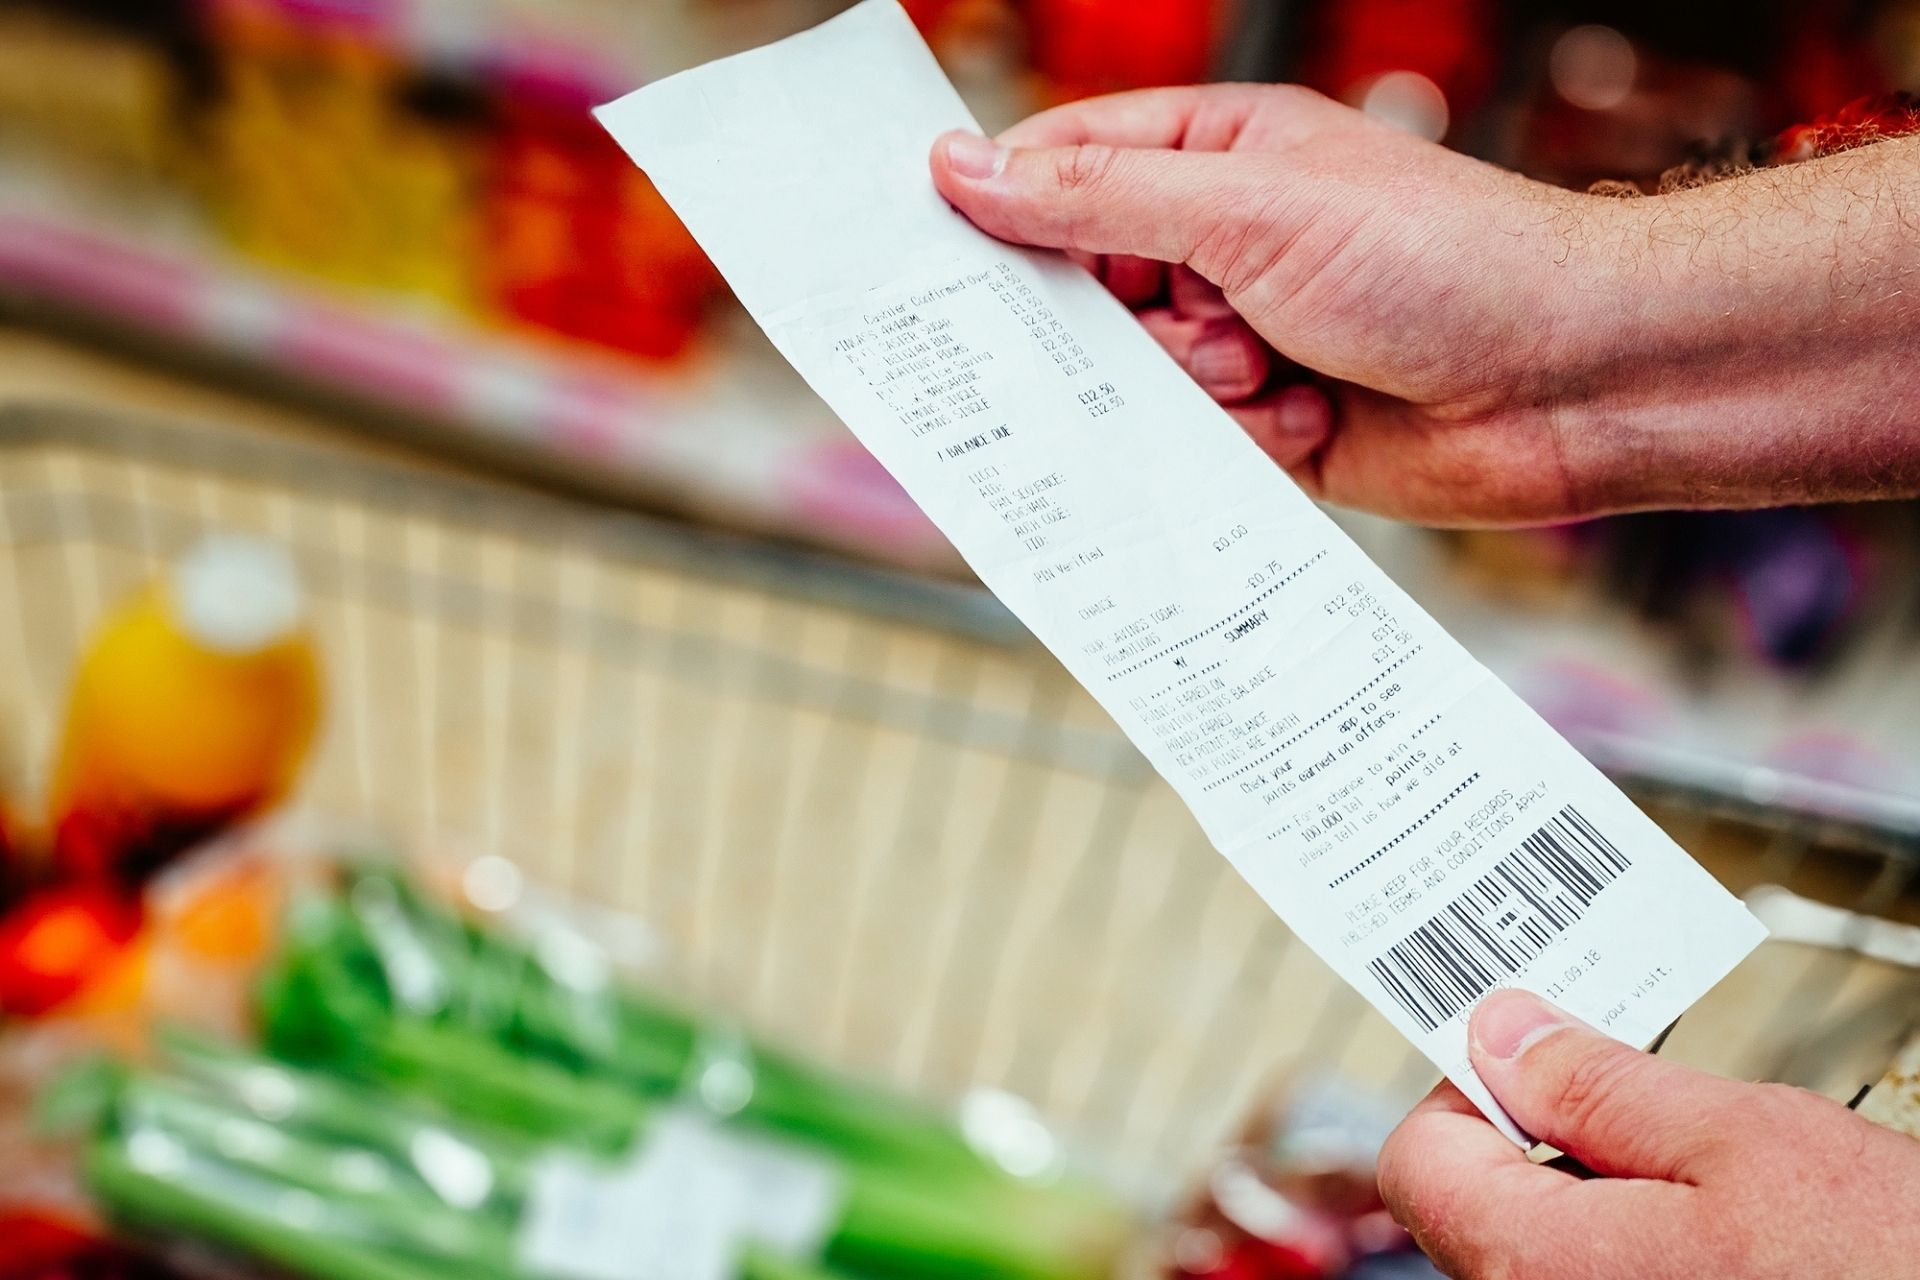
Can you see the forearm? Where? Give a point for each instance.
(1754, 340)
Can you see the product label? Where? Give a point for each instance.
(681, 1209)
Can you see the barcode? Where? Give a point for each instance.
(1508, 917)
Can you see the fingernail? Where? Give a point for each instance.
(1510, 1022)
(1303, 413)
(972, 156)
(1221, 363)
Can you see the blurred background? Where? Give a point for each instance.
(482, 749)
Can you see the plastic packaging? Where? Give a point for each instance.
(59, 942)
(1298, 1199)
(445, 1093)
(41, 1246)
(193, 708)
(534, 1035)
(13, 871)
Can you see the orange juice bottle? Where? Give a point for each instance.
(194, 707)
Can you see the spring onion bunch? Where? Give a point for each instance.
(312, 1176)
(532, 1040)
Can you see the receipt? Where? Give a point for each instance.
(1405, 813)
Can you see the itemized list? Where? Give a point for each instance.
(1234, 712)
(1408, 816)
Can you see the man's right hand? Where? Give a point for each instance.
(1418, 333)
(1702, 1178)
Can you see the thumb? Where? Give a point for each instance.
(1171, 206)
(1620, 1112)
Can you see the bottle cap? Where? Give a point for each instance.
(237, 595)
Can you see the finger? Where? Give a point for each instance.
(1478, 1206)
(1196, 118)
(1135, 281)
(1457, 1183)
(1603, 1230)
(1227, 359)
(1192, 294)
(1618, 1111)
(1165, 205)
(1290, 425)
(1444, 1135)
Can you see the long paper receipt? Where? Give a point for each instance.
(1404, 812)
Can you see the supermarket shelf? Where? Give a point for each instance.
(736, 437)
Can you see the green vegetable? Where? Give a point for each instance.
(531, 1039)
(384, 947)
(173, 1155)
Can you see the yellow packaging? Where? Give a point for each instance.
(194, 707)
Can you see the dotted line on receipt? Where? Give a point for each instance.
(1207, 670)
(1390, 845)
(1357, 694)
(1316, 558)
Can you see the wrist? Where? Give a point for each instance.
(1743, 343)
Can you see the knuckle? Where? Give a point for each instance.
(1436, 1210)
(1398, 1166)
(1242, 248)
(1467, 1254)
(1296, 97)
(1592, 1085)
(1085, 168)
(1450, 1216)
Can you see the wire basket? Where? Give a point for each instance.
(864, 813)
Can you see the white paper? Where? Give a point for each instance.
(1407, 815)
(681, 1208)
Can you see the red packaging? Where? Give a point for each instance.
(1452, 43)
(581, 244)
(56, 943)
(38, 1246)
(1084, 47)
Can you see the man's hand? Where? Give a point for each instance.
(1702, 1178)
(1412, 331)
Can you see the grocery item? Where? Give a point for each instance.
(578, 244)
(379, 983)
(441, 1094)
(193, 707)
(434, 160)
(1086, 47)
(58, 941)
(329, 155)
(314, 1177)
(103, 95)
(1297, 1197)
(37, 1245)
(13, 871)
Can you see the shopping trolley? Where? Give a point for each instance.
(862, 812)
